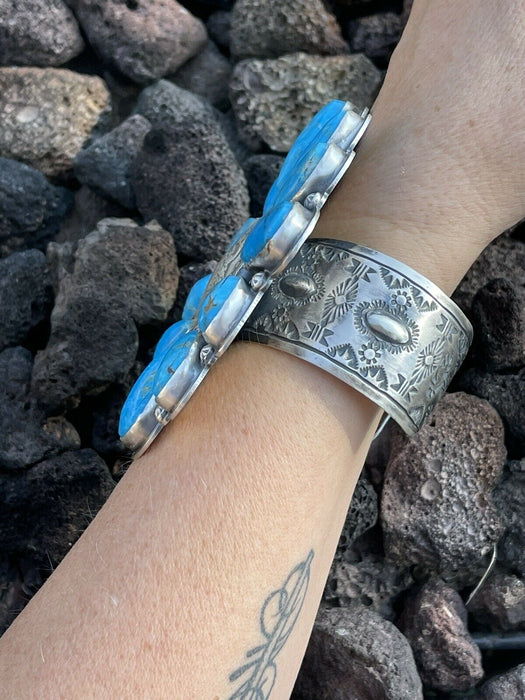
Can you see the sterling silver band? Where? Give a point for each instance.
(368, 319)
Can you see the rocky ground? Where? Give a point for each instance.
(136, 136)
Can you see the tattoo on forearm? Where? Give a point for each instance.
(278, 616)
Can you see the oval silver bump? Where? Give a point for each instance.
(297, 285)
(387, 327)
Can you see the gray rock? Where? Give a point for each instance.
(354, 654)
(509, 497)
(88, 209)
(436, 505)
(143, 39)
(164, 104)
(25, 295)
(31, 209)
(500, 603)
(274, 99)
(189, 274)
(507, 686)
(45, 509)
(38, 33)
(188, 179)
(361, 516)
(435, 623)
(498, 316)
(208, 75)
(105, 164)
(261, 171)
(376, 35)
(218, 25)
(274, 27)
(48, 115)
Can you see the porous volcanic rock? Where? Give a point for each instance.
(376, 35)
(261, 171)
(165, 103)
(274, 99)
(435, 623)
(38, 33)
(143, 39)
(436, 505)
(89, 208)
(105, 164)
(506, 686)
(354, 654)
(500, 603)
(274, 27)
(188, 179)
(49, 114)
(509, 497)
(218, 25)
(207, 74)
(361, 516)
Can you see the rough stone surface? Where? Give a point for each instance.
(354, 654)
(188, 179)
(105, 164)
(27, 436)
(44, 510)
(509, 497)
(498, 316)
(436, 506)
(435, 623)
(31, 209)
(274, 99)
(105, 437)
(38, 33)
(361, 516)
(25, 295)
(261, 172)
(376, 36)
(274, 27)
(208, 75)
(189, 274)
(48, 115)
(500, 603)
(164, 104)
(218, 25)
(88, 209)
(507, 686)
(143, 39)
(505, 392)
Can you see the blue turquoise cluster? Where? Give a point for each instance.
(212, 298)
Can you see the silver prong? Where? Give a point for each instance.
(313, 200)
(260, 281)
(162, 416)
(208, 355)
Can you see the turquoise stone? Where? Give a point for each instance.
(194, 298)
(172, 359)
(240, 233)
(215, 300)
(140, 394)
(172, 335)
(264, 230)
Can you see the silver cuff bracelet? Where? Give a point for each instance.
(369, 320)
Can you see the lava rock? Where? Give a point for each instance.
(189, 274)
(188, 179)
(274, 27)
(498, 316)
(261, 171)
(506, 686)
(164, 104)
(376, 36)
(88, 209)
(356, 655)
(38, 33)
(208, 75)
(372, 580)
(274, 99)
(361, 516)
(31, 209)
(25, 295)
(218, 25)
(48, 115)
(45, 509)
(435, 623)
(509, 497)
(105, 436)
(105, 164)
(143, 39)
(436, 505)
(505, 393)
(500, 603)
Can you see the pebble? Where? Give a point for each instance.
(274, 99)
(38, 33)
(274, 27)
(208, 75)
(48, 114)
(143, 39)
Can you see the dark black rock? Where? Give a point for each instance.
(31, 209)
(435, 623)
(509, 497)
(25, 295)
(208, 75)
(188, 179)
(507, 686)
(261, 172)
(44, 510)
(218, 25)
(165, 103)
(105, 164)
(88, 209)
(189, 274)
(362, 515)
(376, 36)
(105, 437)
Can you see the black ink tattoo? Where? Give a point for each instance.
(278, 616)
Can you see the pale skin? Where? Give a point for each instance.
(161, 596)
